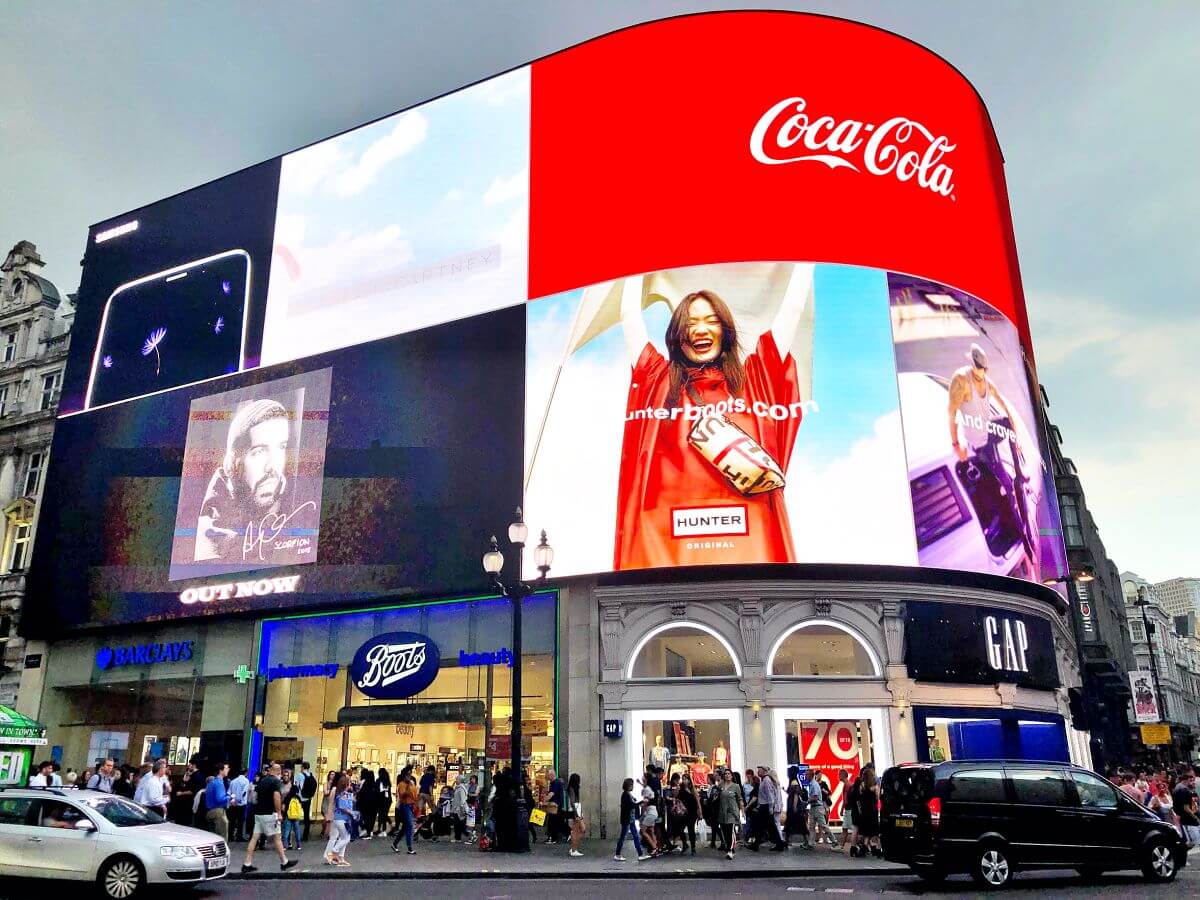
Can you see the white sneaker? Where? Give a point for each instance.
(729, 855)
(643, 856)
(618, 857)
(575, 853)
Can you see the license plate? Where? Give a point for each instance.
(903, 823)
(218, 865)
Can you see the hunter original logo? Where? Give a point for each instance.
(693, 521)
(396, 665)
(898, 147)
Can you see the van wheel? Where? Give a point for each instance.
(121, 878)
(1160, 863)
(992, 867)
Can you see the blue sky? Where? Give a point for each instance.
(109, 106)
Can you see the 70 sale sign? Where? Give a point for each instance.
(829, 747)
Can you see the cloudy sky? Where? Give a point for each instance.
(109, 106)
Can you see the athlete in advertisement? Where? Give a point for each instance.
(708, 436)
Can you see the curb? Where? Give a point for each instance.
(559, 875)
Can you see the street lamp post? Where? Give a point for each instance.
(493, 564)
(1143, 601)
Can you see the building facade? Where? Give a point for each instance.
(1179, 596)
(35, 322)
(1098, 615)
(1158, 647)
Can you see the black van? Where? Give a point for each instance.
(991, 817)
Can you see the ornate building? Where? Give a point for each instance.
(35, 324)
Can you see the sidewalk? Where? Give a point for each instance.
(374, 859)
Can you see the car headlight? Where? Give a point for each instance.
(178, 852)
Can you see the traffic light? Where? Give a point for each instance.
(1079, 712)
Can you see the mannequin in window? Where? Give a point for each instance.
(720, 756)
(660, 756)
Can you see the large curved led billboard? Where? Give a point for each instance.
(759, 309)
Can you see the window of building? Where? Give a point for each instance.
(33, 474)
(18, 528)
(1137, 632)
(819, 649)
(683, 651)
(1072, 532)
(49, 391)
(3, 399)
(8, 338)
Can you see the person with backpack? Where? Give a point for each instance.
(293, 810)
(796, 814)
(308, 790)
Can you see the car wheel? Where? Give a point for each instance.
(992, 868)
(1160, 863)
(121, 878)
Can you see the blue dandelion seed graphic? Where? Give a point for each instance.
(107, 362)
(226, 288)
(220, 325)
(151, 346)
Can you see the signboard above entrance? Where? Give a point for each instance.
(395, 665)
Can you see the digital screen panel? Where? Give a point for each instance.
(529, 291)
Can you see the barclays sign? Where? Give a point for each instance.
(143, 654)
(395, 665)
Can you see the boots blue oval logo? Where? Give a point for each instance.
(395, 665)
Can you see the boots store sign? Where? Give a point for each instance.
(395, 665)
(978, 645)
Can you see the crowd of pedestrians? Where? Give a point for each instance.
(1169, 793)
(749, 811)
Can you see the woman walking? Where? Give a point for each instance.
(327, 796)
(574, 814)
(685, 809)
(458, 809)
(866, 813)
(406, 808)
(729, 810)
(630, 821)
(343, 815)
(368, 803)
(383, 802)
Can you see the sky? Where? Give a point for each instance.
(109, 106)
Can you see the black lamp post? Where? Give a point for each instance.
(1143, 600)
(493, 564)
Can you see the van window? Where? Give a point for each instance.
(1043, 786)
(977, 786)
(1094, 792)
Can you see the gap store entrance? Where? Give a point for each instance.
(308, 707)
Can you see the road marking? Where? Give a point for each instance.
(805, 889)
(839, 890)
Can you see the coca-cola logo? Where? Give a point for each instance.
(898, 147)
(395, 665)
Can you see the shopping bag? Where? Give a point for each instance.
(537, 817)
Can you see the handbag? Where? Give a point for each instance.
(537, 817)
(739, 458)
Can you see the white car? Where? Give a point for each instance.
(93, 836)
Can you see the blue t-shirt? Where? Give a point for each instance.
(344, 807)
(427, 783)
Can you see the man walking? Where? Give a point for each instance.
(268, 814)
(216, 800)
(308, 790)
(239, 800)
(103, 779)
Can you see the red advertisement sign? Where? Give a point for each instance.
(829, 747)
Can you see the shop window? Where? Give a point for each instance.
(830, 746)
(1044, 787)
(692, 747)
(980, 786)
(821, 650)
(683, 651)
(1094, 792)
(963, 738)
